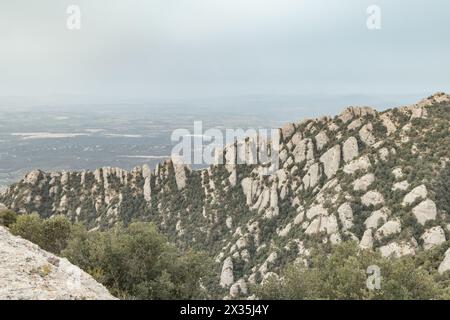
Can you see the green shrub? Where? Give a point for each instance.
(7, 217)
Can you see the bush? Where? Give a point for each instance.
(51, 234)
(137, 262)
(342, 275)
(7, 217)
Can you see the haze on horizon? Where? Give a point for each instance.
(186, 49)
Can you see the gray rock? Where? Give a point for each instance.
(331, 161)
(364, 182)
(350, 149)
(372, 198)
(29, 273)
(227, 277)
(433, 237)
(445, 264)
(419, 192)
(425, 211)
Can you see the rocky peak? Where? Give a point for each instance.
(28, 272)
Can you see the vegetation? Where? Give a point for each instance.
(342, 273)
(7, 217)
(133, 262)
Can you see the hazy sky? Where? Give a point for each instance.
(207, 48)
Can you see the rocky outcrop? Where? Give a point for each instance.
(331, 161)
(364, 182)
(417, 193)
(30, 273)
(350, 149)
(425, 211)
(433, 237)
(445, 264)
(227, 277)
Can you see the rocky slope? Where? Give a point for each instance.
(28, 272)
(363, 175)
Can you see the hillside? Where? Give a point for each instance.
(28, 272)
(377, 178)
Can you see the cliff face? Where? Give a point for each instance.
(363, 175)
(28, 272)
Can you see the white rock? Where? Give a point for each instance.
(384, 154)
(364, 182)
(311, 178)
(355, 124)
(372, 198)
(304, 151)
(362, 163)
(367, 240)
(247, 184)
(445, 264)
(350, 149)
(376, 218)
(366, 134)
(30, 273)
(287, 130)
(433, 237)
(399, 249)
(284, 232)
(313, 227)
(388, 123)
(321, 140)
(238, 288)
(317, 210)
(389, 228)
(403, 186)
(425, 211)
(419, 192)
(346, 216)
(398, 173)
(227, 277)
(331, 161)
(299, 218)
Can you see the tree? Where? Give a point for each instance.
(341, 274)
(50, 234)
(137, 262)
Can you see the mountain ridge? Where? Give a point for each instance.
(362, 175)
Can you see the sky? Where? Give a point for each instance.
(185, 49)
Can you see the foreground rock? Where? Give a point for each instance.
(30, 273)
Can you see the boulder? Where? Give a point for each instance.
(350, 149)
(445, 264)
(425, 211)
(317, 210)
(311, 178)
(417, 193)
(363, 163)
(367, 240)
(366, 135)
(377, 218)
(331, 161)
(227, 277)
(321, 140)
(403, 186)
(372, 198)
(363, 183)
(433, 237)
(346, 216)
(399, 249)
(389, 228)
